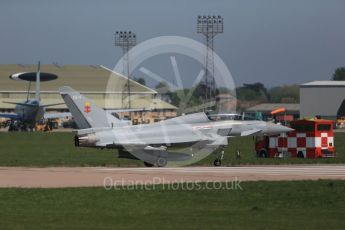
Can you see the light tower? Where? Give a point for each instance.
(209, 26)
(126, 40)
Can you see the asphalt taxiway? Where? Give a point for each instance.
(58, 177)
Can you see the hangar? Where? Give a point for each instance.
(265, 109)
(322, 98)
(99, 83)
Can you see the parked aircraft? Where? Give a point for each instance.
(151, 143)
(30, 111)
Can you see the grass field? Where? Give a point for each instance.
(259, 205)
(57, 149)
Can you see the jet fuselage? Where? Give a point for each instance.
(177, 131)
(30, 113)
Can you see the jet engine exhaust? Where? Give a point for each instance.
(85, 140)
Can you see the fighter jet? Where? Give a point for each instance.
(30, 111)
(151, 143)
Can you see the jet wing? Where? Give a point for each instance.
(151, 154)
(49, 105)
(10, 116)
(20, 103)
(128, 110)
(56, 115)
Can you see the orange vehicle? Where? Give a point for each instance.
(311, 139)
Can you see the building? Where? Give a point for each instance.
(105, 87)
(323, 98)
(291, 110)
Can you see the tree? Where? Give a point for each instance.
(252, 92)
(339, 74)
(246, 94)
(288, 93)
(140, 80)
(162, 87)
(259, 88)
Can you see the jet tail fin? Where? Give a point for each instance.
(84, 111)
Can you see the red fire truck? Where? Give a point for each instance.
(310, 139)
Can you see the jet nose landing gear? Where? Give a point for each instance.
(217, 162)
(219, 157)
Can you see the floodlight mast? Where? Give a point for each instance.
(209, 26)
(126, 40)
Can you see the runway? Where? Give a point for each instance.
(58, 177)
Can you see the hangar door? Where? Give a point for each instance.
(341, 110)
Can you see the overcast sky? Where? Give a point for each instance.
(271, 41)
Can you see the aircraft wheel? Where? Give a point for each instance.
(161, 162)
(300, 154)
(217, 162)
(148, 164)
(263, 153)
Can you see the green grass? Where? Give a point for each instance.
(57, 149)
(260, 205)
(53, 149)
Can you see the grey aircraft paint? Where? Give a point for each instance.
(150, 142)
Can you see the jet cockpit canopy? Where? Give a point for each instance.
(229, 116)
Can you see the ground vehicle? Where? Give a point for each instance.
(310, 139)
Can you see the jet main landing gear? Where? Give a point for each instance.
(148, 164)
(160, 162)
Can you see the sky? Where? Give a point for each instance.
(275, 42)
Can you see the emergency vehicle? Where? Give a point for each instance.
(310, 139)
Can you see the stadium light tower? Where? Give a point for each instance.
(126, 40)
(209, 26)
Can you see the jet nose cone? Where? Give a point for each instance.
(274, 129)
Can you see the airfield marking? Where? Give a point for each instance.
(56, 177)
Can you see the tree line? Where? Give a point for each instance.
(255, 92)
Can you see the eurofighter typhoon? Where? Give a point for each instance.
(155, 144)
